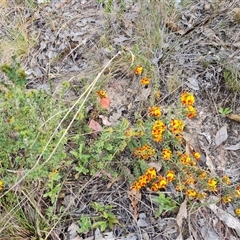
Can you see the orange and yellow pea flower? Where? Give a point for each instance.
(187, 99)
(138, 70)
(154, 187)
(159, 184)
(166, 154)
(136, 186)
(191, 193)
(154, 111)
(237, 191)
(162, 182)
(185, 159)
(203, 175)
(191, 112)
(226, 199)
(157, 130)
(170, 175)
(237, 212)
(151, 173)
(197, 155)
(102, 94)
(212, 184)
(143, 180)
(226, 180)
(145, 152)
(145, 81)
(176, 126)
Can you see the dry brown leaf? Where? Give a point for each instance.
(95, 126)
(234, 117)
(191, 142)
(221, 135)
(156, 165)
(182, 213)
(105, 120)
(135, 196)
(210, 164)
(227, 218)
(180, 216)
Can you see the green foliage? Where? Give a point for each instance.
(225, 111)
(164, 204)
(14, 73)
(104, 218)
(98, 154)
(85, 224)
(28, 129)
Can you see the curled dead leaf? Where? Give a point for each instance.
(105, 120)
(135, 197)
(156, 165)
(234, 117)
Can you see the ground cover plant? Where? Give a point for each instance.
(126, 149)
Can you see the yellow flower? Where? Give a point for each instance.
(170, 175)
(136, 186)
(191, 193)
(154, 111)
(145, 81)
(226, 180)
(212, 184)
(1, 185)
(151, 173)
(176, 126)
(191, 112)
(203, 175)
(226, 199)
(158, 128)
(187, 99)
(154, 186)
(166, 154)
(197, 155)
(237, 211)
(138, 70)
(162, 182)
(185, 159)
(144, 152)
(143, 180)
(102, 94)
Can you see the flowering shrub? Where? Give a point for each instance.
(180, 168)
